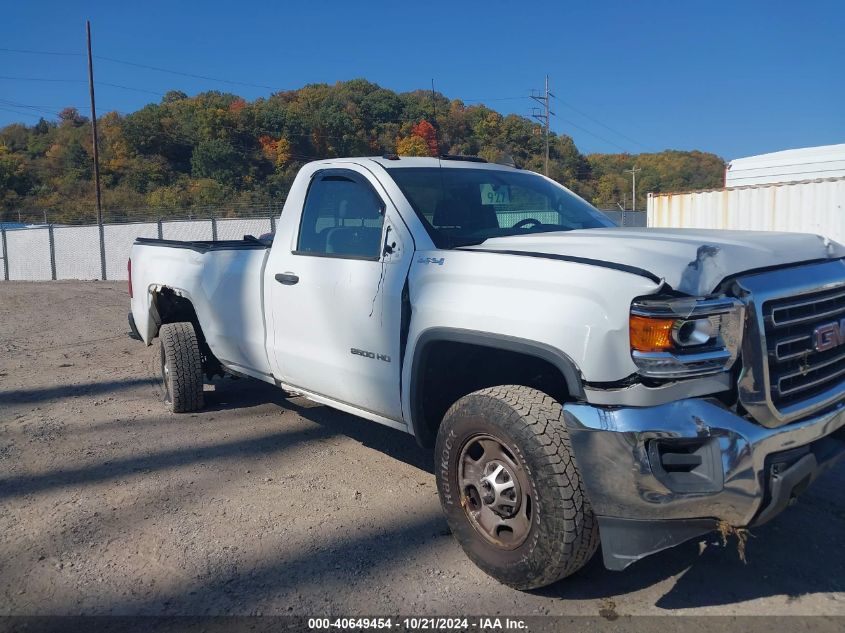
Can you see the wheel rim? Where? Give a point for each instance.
(495, 492)
(165, 374)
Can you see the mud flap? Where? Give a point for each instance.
(625, 541)
(133, 329)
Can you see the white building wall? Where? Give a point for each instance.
(802, 207)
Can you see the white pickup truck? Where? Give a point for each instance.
(579, 383)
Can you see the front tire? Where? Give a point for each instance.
(510, 488)
(181, 367)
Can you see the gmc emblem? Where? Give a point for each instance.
(828, 336)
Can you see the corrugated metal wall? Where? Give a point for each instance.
(792, 165)
(802, 207)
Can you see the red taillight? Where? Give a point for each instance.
(129, 269)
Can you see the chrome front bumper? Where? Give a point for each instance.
(671, 472)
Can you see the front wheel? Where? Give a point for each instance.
(510, 489)
(181, 367)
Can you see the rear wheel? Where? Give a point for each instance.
(510, 488)
(181, 367)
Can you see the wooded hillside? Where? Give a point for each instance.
(216, 148)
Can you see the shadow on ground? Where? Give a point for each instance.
(799, 553)
(237, 394)
(57, 392)
(779, 562)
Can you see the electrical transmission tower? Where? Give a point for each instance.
(543, 115)
(633, 171)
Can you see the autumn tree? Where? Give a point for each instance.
(215, 147)
(427, 133)
(412, 146)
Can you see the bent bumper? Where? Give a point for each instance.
(658, 476)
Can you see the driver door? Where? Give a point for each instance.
(337, 300)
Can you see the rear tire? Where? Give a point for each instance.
(510, 488)
(181, 367)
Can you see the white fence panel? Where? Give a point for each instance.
(186, 230)
(803, 207)
(77, 251)
(119, 238)
(235, 229)
(29, 254)
(2, 261)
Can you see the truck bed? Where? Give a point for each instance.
(224, 282)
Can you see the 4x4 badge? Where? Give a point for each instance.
(431, 260)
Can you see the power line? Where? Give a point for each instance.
(34, 116)
(183, 74)
(607, 127)
(33, 52)
(536, 114)
(264, 86)
(601, 138)
(45, 79)
(81, 81)
(496, 99)
(137, 65)
(253, 85)
(37, 108)
(111, 85)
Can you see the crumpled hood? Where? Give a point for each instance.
(693, 261)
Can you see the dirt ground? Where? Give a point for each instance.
(111, 505)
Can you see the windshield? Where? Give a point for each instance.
(460, 207)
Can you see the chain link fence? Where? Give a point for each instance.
(90, 251)
(626, 218)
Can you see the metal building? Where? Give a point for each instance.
(799, 190)
(792, 165)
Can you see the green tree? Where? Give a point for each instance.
(216, 147)
(218, 160)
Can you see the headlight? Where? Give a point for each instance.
(684, 337)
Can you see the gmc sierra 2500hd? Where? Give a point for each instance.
(578, 382)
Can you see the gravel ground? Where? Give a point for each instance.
(111, 505)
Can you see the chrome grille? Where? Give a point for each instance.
(783, 377)
(797, 371)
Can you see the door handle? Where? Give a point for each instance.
(288, 279)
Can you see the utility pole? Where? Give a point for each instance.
(543, 116)
(96, 151)
(433, 103)
(94, 123)
(633, 171)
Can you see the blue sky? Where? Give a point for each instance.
(735, 78)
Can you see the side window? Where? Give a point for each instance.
(342, 218)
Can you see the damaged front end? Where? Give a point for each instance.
(659, 476)
(664, 462)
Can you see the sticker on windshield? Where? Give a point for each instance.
(495, 194)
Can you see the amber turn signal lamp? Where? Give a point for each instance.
(651, 335)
